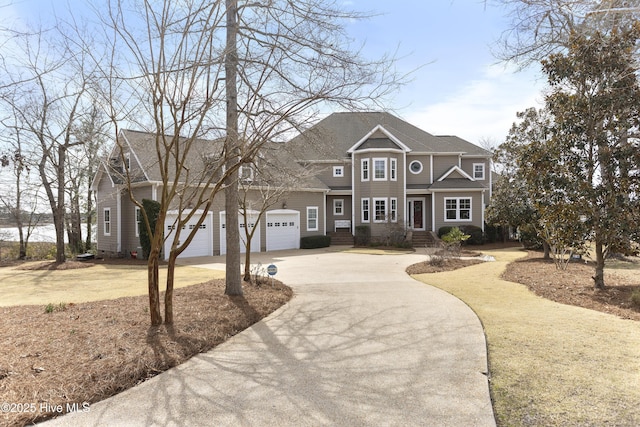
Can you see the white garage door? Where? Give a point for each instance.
(253, 223)
(283, 230)
(202, 243)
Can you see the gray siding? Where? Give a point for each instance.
(130, 242)
(107, 198)
(441, 164)
(346, 211)
(422, 178)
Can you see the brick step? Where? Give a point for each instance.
(422, 239)
(341, 238)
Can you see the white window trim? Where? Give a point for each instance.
(393, 169)
(317, 219)
(137, 213)
(367, 210)
(362, 169)
(474, 171)
(242, 170)
(393, 210)
(379, 159)
(339, 174)
(335, 203)
(386, 209)
(457, 199)
(418, 162)
(127, 161)
(105, 222)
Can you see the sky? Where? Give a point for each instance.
(457, 86)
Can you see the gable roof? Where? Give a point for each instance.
(340, 132)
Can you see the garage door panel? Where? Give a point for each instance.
(283, 230)
(255, 240)
(202, 242)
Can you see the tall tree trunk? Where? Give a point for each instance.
(598, 279)
(233, 282)
(154, 294)
(168, 296)
(58, 213)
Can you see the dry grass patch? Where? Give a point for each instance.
(39, 283)
(551, 364)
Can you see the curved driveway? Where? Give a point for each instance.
(360, 344)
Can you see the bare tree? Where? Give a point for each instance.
(272, 176)
(541, 27)
(45, 88)
(19, 196)
(285, 61)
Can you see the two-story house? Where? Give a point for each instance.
(373, 169)
(382, 170)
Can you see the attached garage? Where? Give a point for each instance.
(202, 243)
(283, 229)
(252, 217)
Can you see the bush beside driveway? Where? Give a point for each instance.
(550, 363)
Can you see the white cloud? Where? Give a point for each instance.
(484, 108)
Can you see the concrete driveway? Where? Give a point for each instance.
(360, 344)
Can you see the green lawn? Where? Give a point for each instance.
(550, 364)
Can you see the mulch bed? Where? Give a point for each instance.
(574, 286)
(86, 352)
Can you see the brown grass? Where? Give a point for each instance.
(89, 351)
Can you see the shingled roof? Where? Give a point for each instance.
(340, 131)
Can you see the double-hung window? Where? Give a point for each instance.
(107, 222)
(365, 210)
(457, 209)
(138, 221)
(478, 171)
(312, 218)
(393, 169)
(379, 169)
(393, 209)
(379, 209)
(338, 206)
(364, 170)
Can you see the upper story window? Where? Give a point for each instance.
(478, 171)
(127, 161)
(393, 169)
(246, 173)
(379, 169)
(364, 169)
(415, 167)
(338, 171)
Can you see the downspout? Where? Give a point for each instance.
(119, 221)
(353, 195)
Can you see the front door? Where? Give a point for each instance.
(415, 209)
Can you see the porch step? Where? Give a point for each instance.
(341, 238)
(421, 239)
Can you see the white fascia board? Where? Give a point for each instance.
(399, 143)
(135, 155)
(456, 190)
(455, 169)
